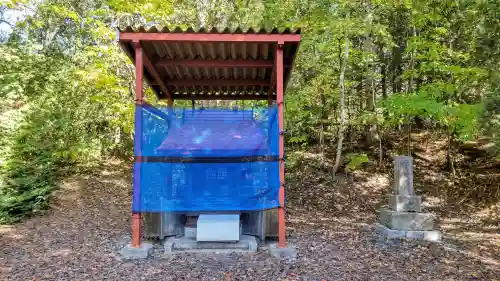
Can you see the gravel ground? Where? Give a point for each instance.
(80, 237)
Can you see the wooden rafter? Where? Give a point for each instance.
(272, 83)
(216, 63)
(221, 97)
(218, 83)
(156, 77)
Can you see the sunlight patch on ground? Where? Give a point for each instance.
(374, 182)
(61, 253)
(5, 270)
(9, 231)
(431, 202)
(492, 212)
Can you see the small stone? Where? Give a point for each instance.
(432, 236)
(190, 231)
(427, 235)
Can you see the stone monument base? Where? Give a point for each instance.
(426, 235)
(406, 220)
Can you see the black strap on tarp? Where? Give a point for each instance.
(235, 159)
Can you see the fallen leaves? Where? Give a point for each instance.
(93, 219)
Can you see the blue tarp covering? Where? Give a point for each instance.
(205, 159)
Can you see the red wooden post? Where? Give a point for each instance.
(280, 102)
(139, 99)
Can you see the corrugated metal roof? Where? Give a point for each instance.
(213, 70)
(226, 30)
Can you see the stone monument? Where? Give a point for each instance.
(404, 217)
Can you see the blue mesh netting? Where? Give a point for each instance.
(206, 159)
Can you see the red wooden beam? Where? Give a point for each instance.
(221, 97)
(280, 101)
(216, 63)
(207, 37)
(218, 83)
(156, 77)
(131, 57)
(272, 84)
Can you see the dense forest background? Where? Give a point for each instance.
(369, 76)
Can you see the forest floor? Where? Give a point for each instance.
(329, 221)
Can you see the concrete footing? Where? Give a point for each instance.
(288, 252)
(143, 252)
(189, 244)
(426, 235)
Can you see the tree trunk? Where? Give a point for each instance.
(399, 35)
(383, 72)
(396, 68)
(380, 150)
(409, 89)
(340, 139)
(449, 155)
(369, 91)
(322, 126)
(408, 126)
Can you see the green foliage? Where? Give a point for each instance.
(355, 160)
(297, 140)
(60, 109)
(66, 89)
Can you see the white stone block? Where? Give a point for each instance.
(218, 227)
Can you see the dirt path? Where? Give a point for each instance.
(80, 237)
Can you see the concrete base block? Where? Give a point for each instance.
(288, 252)
(426, 235)
(405, 203)
(218, 228)
(190, 231)
(143, 252)
(389, 233)
(189, 244)
(406, 220)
